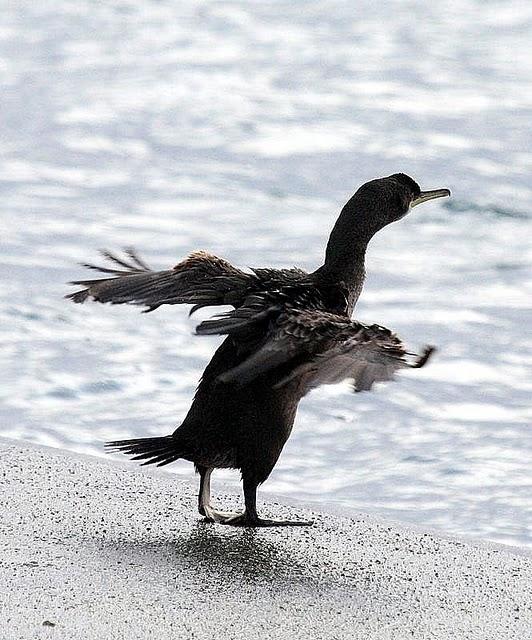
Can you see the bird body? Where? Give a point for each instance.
(288, 332)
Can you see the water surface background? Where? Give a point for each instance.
(242, 128)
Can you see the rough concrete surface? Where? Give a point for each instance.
(92, 548)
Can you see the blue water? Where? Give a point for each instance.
(242, 128)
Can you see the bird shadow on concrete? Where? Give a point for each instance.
(225, 554)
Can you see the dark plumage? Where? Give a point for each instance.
(289, 331)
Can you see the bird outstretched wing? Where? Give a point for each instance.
(322, 348)
(372, 355)
(201, 279)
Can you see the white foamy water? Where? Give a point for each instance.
(242, 128)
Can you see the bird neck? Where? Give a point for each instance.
(346, 251)
(345, 256)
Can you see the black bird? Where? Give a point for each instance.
(289, 331)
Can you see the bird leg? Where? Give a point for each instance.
(204, 495)
(250, 517)
(204, 499)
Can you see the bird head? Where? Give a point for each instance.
(379, 202)
(375, 204)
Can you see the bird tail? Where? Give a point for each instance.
(159, 451)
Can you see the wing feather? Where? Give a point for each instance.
(326, 348)
(365, 361)
(201, 279)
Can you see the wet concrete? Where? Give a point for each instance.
(101, 549)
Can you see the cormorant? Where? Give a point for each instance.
(289, 331)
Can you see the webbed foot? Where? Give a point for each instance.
(245, 520)
(221, 517)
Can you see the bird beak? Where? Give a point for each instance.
(424, 196)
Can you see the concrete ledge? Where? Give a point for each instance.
(97, 549)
